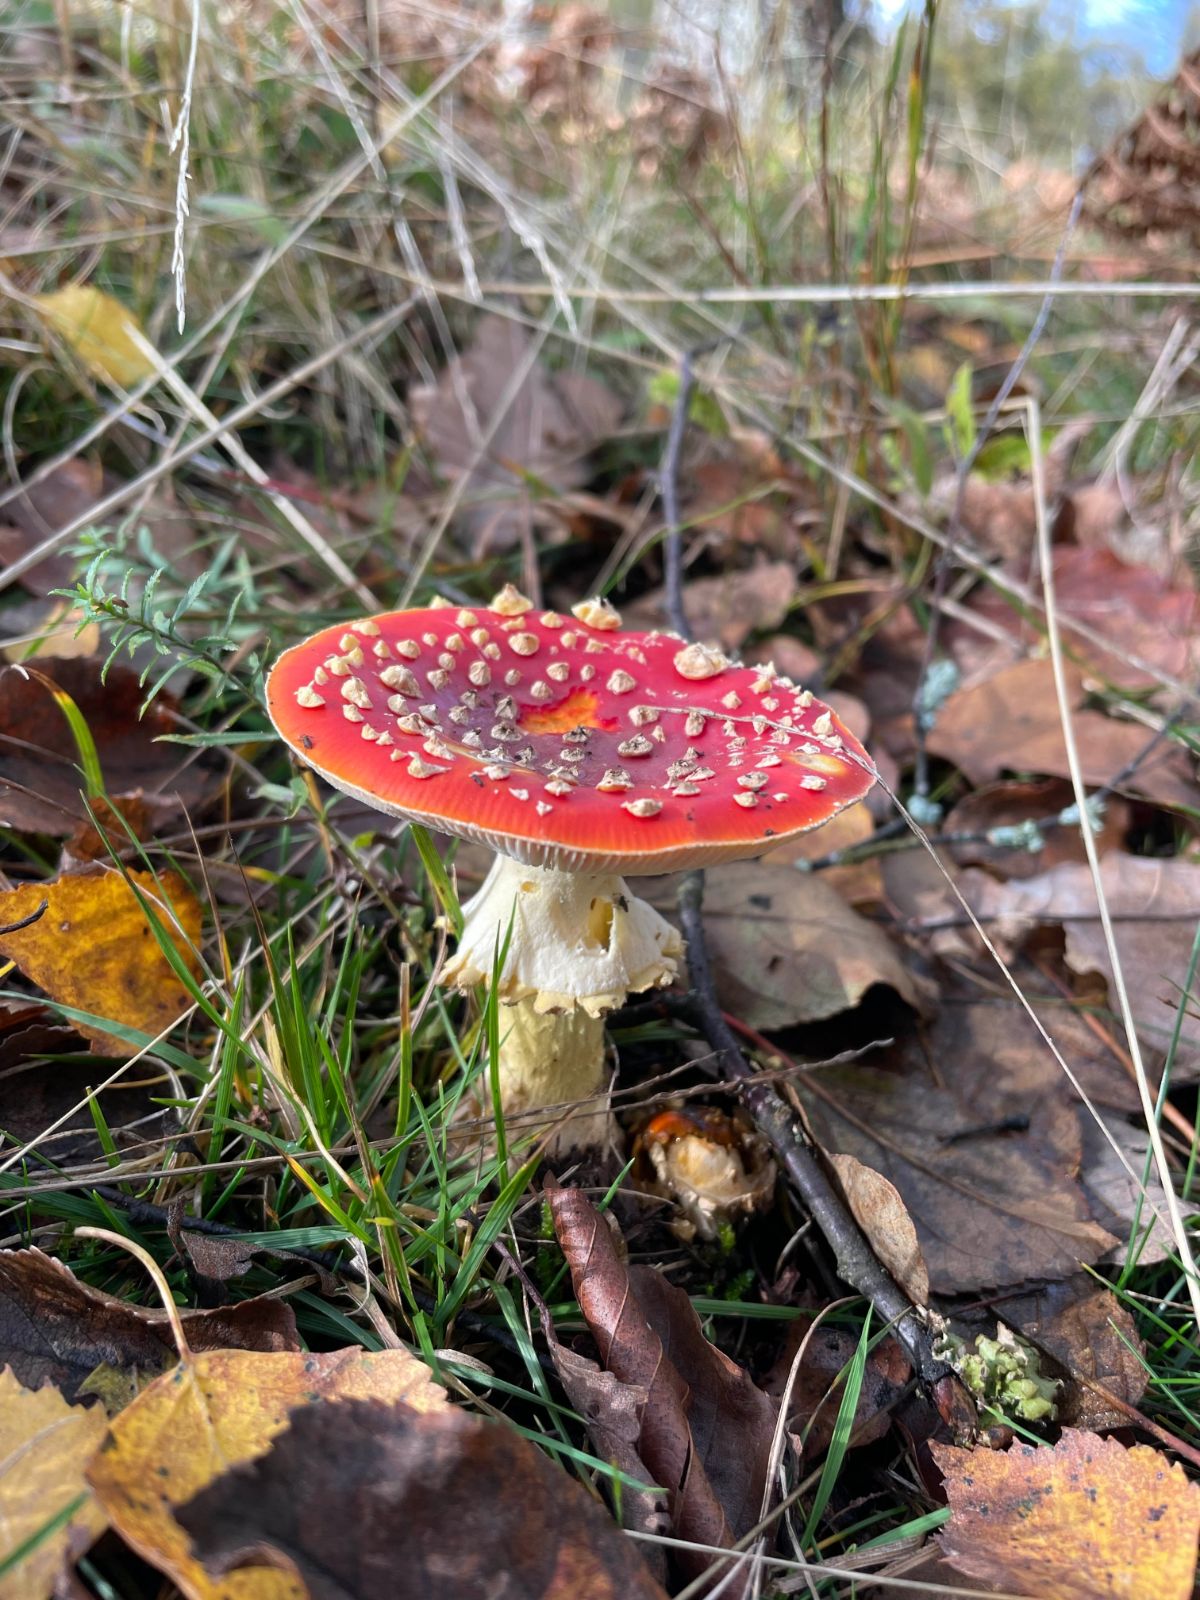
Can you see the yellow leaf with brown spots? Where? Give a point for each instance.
(97, 328)
(93, 948)
(1086, 1519)
(213, 1412)
(45, 1445)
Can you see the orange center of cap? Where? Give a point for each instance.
(578, 710)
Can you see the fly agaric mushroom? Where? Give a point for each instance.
(578, 752)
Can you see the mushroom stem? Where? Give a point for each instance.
(555, 1058)
(577, 944)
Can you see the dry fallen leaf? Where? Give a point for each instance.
(1139, 611)
(786, 948)
(64, 494)
(989, 1054)
(45, 1444)
(545, 430)
(739, 500)
(362, 1500)
(613, 1411)
(705, 1427)
(1009, 722)
(212, 1412)
(97, 328)
(40, 781)
(725, 610)
(56, 1330)
(879, 1211)
(1118, 1201)
(1154, 904)
(989, 1209)
(858, 883)
(816, 1393)
(1080, 1520)
(93, 949)
(1000, 516)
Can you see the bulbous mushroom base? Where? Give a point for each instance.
(577, 945)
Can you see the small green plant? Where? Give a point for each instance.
(1003, 1374)
(148, 606)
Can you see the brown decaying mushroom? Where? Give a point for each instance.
(578, 752)
(715, 1168)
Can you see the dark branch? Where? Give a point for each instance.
(856, 1261)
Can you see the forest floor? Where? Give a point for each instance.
(308, 318)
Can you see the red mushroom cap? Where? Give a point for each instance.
(564, 742)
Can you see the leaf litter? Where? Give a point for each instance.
(94, 950)
(40, 781)
(704, 1428)
(57, 1330)
(967, 1163)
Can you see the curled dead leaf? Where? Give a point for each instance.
(705, 1428)
(1135, 608)
(880, 1213)
(54, 1329)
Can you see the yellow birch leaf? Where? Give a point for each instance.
(213, 1412)
(1085, 1519)
(97, 328)
(93, 948)
(45, 1445)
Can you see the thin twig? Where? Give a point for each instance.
(26, 922)
(856, 1262)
